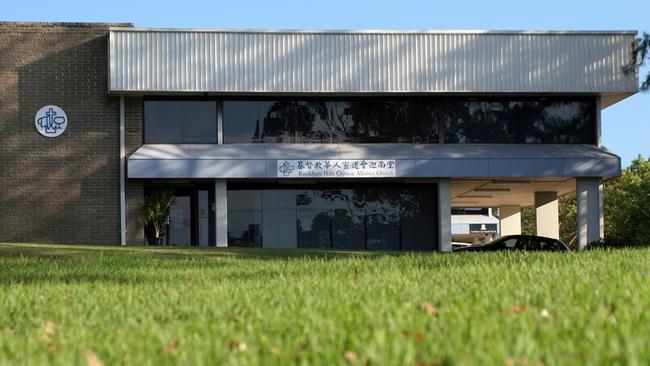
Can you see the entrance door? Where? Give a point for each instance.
(191, 216)
(203, 203)
(180, 221)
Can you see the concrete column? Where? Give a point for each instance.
(444, 215)
(546, 214)
(221, 212)
(510, 220)
(590, 220)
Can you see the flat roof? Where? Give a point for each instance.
(376, 31)
(112, 25)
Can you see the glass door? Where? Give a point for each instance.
(203, 203)
(191, 219)
(180, 221)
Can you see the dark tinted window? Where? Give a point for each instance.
(417, 212)
(533, 244)
(245, 218)
(176, 122)
(348, 218)
(275, 122)
(244, 122)
(469, 211)
(523, 122)
(360, 121)
(313, 224)
(506, 243)
(549, 244)
(297, 122)
(384, 121)
(383, 218)
(351, 216)
(411, 121)
(511, 243)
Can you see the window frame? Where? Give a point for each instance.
(438, 126)
(216, 100)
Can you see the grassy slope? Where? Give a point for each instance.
(162, 306)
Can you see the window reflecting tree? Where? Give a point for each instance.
(411, 121)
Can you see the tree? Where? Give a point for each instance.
(568, 207)
(640, 54)
(627, 206)
(156, 209)
(528, 223)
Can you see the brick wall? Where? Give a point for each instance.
(133, 115)
(64, 189)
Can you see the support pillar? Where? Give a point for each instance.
(546, 214)
(221, 212)
(510, 220)
(590, 220)
(444, 215)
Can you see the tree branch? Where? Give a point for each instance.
(640, 54)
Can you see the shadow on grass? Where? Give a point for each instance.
(56, 251)
(48, 263)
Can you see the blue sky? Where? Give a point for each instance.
(626, 126)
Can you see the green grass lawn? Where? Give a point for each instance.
(138, 306)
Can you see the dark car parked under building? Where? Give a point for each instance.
(518, 242)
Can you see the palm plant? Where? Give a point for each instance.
(155, 210)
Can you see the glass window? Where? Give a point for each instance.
(469, 211)
(417, 122)
(521, 122)
(348, 219)
(350, 216)
(374, 120)
(322, 121)
(276, 122)
(367, 121)
(510, 243)
(177, 122)
(313, 224)
(245, 218)
(382, 218)
(417, 213)
(545, 244)
(568, 123)
(161, 122)
(279, 122)
(341, 121)
(242, 122)
(279, 218)
(312, 122)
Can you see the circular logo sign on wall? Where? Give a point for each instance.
(51, 121)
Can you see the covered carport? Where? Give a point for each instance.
(536, 176)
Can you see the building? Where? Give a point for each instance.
(473, 225)
(337, 139)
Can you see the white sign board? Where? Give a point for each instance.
(336, 168)
(51, 121)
